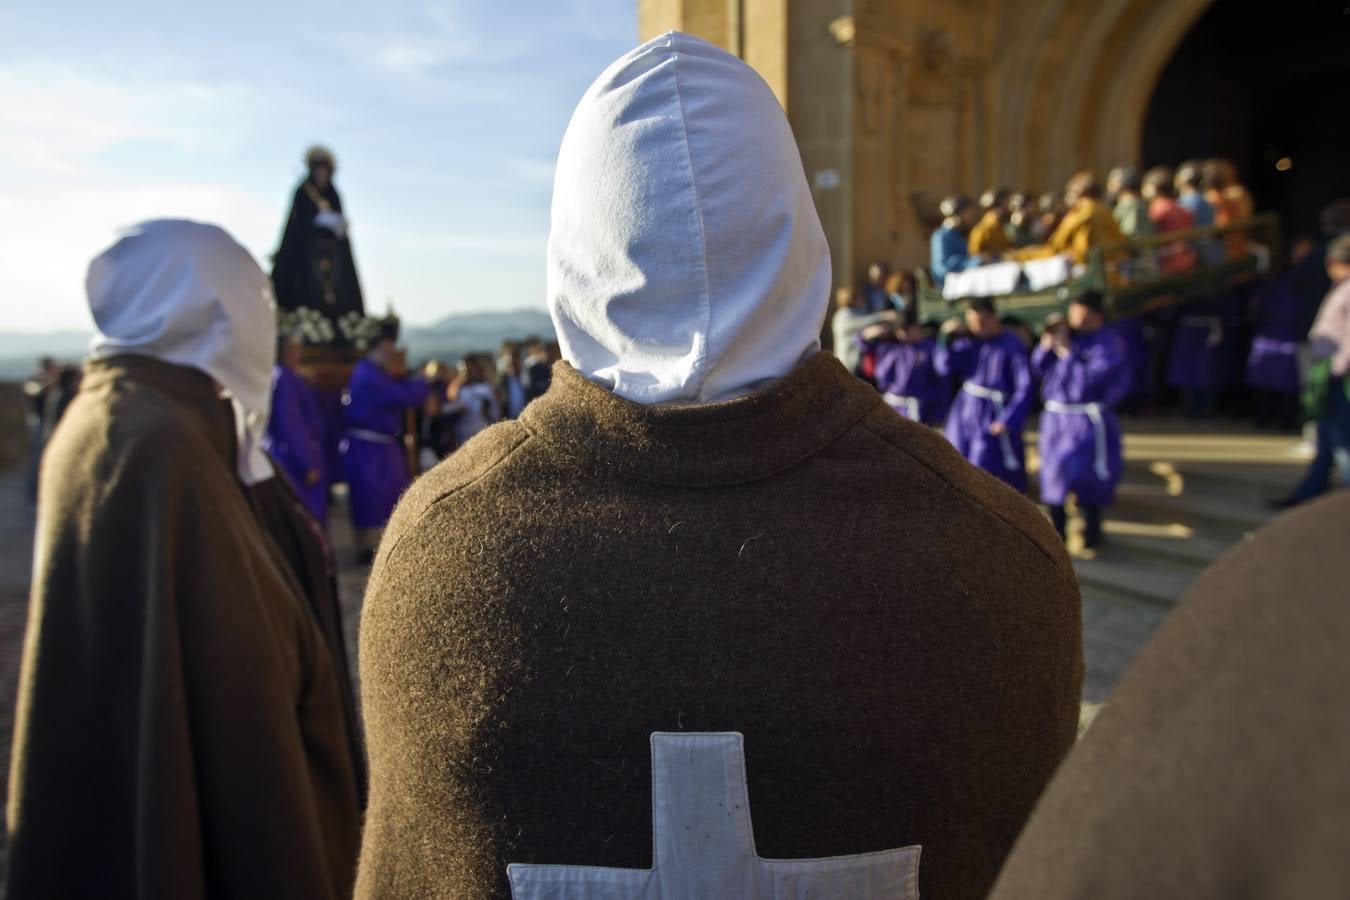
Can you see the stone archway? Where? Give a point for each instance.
(1032, 92)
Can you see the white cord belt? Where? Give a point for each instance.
(1094, 413)
(902, 403)
(375, 437)
(995, 397)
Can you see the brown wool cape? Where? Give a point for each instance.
(1221, 767)
(180, 724)
(896, 634)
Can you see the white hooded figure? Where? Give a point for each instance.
(188, 293)
(640, 643)
(686, 262)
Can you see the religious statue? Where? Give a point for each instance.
(314, 268)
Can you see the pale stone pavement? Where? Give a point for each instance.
(1188, 496)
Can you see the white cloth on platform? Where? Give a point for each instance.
(992, 280)
(1049, 272)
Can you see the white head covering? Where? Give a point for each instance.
(187, 293)
(686, 263)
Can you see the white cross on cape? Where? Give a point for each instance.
(703, 845)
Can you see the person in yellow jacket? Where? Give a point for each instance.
(988, 238)
(1087, 225)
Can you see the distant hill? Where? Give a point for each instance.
(448, 339)
(462, 333)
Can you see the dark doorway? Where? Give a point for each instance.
(1265, 85)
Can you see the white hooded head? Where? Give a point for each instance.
(686, 262)
(187, 293)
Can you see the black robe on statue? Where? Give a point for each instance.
(314, 267)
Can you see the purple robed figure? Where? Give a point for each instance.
(996, 388)
(373, 456)
(1199, 355)
(1080, 435)
(904, 373)
(1272, 364)
(295, 439)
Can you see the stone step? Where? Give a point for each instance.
(1117, 581)
(1175, 545)
(1217, 515)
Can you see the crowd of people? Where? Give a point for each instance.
(1008, 225)
(708, 568)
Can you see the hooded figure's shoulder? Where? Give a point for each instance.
(479, 458)
(1006, 511)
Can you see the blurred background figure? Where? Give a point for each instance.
(377, 406)
(1326, 398)
(850, 317)
(876, 297)
(1125, 185)
(988, 239)
(511, 365)
(295, 433)
(949, 247)
(40, 391)
(473, 398)
(1272, 370)
(537, 369)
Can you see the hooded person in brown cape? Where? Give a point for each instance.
(181, 726)
(1219, 767)
(709, 577)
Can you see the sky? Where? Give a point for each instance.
(445, 119)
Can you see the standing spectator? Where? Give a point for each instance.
(376, 406)
(537, 371)
(988, 240)
(950, 248)
(876, 297)
(1272, 365)
(1167, 214)
(1130, 209)
(1329, 388)
(40, 393)
(510, 362)
(295, 436)
(849, 319)
(473, 399)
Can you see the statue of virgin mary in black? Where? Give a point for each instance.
(314, 267)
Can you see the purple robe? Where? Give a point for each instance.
(295, 439)
(907, 379)
(996, 376)
(1272, 364)
(373, 456)
(1200, 348)
(1080, 435)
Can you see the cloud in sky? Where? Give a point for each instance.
(445, 119)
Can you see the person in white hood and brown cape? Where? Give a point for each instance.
(182, 730)
(709, 619)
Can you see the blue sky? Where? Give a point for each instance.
(445, 118)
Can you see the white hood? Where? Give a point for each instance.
(187, 293)
(686, 263)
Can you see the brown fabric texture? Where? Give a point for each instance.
(1219, 767)
(180, 724)
(305, 550)
(896, 634)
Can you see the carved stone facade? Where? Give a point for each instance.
(895, 103)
